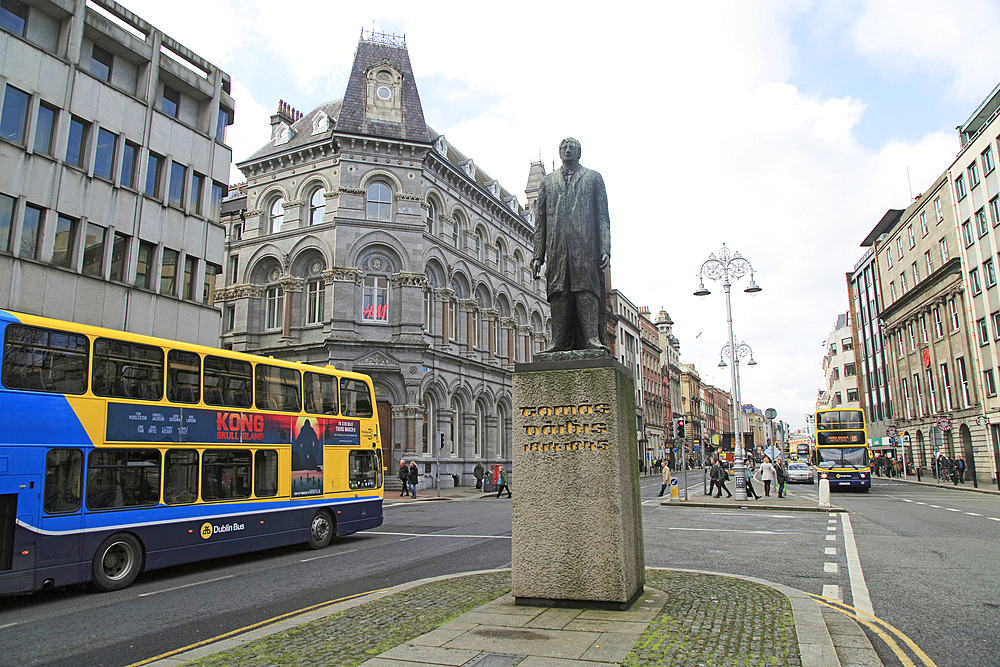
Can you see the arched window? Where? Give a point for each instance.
(428, 309)
(479, 245)
(432, 215)
(456, 417)
(480, 430)
(453, 316)
(456, 231)
(375, 299)
(517, 268)
(274, 306)
(276, 215)
(428, 426)
(317, 206)
(379, 202)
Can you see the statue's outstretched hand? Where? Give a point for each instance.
(605, 258)
(536, 267)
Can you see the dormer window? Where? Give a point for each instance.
(321, 123)
(384, 93)
(283, 134)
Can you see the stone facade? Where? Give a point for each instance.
(115, 165)
(363, 239)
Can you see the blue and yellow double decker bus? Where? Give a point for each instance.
(842, 455)
(121, 453)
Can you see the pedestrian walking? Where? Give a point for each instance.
(404, 477)
(748, 476)
(721, 482)
(412, 478)
(478, 471)
(767, 475)
(503, 483)
(666, 481)
(960, 467)
(713, 477)
(779, 475)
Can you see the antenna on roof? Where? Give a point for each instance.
(909, 184)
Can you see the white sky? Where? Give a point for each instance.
(782, 128)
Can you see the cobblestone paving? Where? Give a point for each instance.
(710, 621)
(359, 634)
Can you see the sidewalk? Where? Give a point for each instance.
(928, 480)
(684, 618)
(798, 498)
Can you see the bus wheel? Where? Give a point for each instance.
(117, 562)
(321, 530)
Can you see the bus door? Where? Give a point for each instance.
(385, 431)
(19, 495)
(61, 507)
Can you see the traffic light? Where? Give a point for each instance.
(679, 428)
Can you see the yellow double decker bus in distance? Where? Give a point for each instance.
(121, 453)
(842, 454)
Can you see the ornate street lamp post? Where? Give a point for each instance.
(727, 268)
(742, 350)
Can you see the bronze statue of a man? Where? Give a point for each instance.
(573, 240)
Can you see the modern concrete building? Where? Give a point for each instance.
(112, 140)
(653, 387)
(365, 240)
(840, 368)
(628, 351)
(929, 343)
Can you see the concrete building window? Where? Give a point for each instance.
(211, 273)
(988, 160)
(981, 224)
(100, 63)
(990, 273)
(215, 201)
(7, 206)
(104, 155)
(234, 269)
(963, 379)
(45, 125)
(317, 206)
(916, 274)
(899, 247)
(314, 301)
(943, 245)
(93, 251)
(431, 216)
(892, 291)
(144, 265)
(967, 233)
(223, 120)
(479, 246)
(938, 210)
(154, 167)
(852, 395)
(517, 267)
(913, 340)
(375, 299)
(274, 302)
(379, 202)
(902, 283)
(888, 258)
(276, 215)
(989, 383)
(427, 432)
(76, 148)
(31, 232)
(65, 241)
(195, 203)
(923, 329)
(930, 264)
(984, 334)
(916, 390)
(973, 174)
(960, 187)
(850, 370)
(995, 318)
(946, 386)
(175, 192)
(130, 160)
(187, 289)
(14, 116)
(14, 16)
(909, 233)
(938, 326)
(456, 232)
(906, 398)
(955, 322)
(119, 250)
(168, 272)
(931, 392)
(428, 310)
(995, 210)
(456, 417)
(170, 102)
(229, 321)
(974, 281)
(923, 224)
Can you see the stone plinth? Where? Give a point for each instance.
(576, 517)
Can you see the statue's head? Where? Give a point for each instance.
(569, 149)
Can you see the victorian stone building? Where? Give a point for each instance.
(364, 240)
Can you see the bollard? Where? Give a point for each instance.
(675, 495)
(824, 493)
(918, 474)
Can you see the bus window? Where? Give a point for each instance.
(277, 388)
(265, 473)
(44, 360)
(127, 370)
(355, 398)
(183, 376)
(63, 480)
(320, 394)
(363, 470)
(228, 382)
(180, 477)
(123, 478)
(225, 474)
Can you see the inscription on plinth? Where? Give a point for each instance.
(576, 521)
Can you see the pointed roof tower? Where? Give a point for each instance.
(536, 173)
(381, 97)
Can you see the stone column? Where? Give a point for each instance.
(289, 285)
(492, 315)
(491, 440)
(509, 323)
(327, 300)
(444, 295)
(541, 338)
(527, 332)
(468, 306)
(344, 313)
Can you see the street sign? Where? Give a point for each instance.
(770, 413)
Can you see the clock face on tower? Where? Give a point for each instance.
(383, 92)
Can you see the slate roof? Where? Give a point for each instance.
(303, 132)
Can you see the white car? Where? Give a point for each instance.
(800, 472)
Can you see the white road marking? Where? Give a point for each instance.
(831, 537)
(832, 591)
(831, 528)
(905, 500)
(936, 506)
(973, 514)
(339, 553)
(993, 518)
(832, 521)
(919, 503)
(414, 535)
(177, 588)
(734, 530)
(948, 509)
(830, 567)
(859, 590)
(831, 551)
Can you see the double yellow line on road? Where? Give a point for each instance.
(884, 631)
